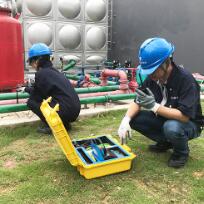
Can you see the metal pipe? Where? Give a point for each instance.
(90, 100)
(115, 73)
(104, 93)
(73, 82)
(14, 95)
(70, 65)
(96, 89)
(200, 81)
(108, 98)
(93, 79)
(198, 76)
(13, 108)
(13, 101)
(100, 99)
(20, 95)
(9, 96)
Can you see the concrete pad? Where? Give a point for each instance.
(15, 118)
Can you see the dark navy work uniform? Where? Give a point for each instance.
(182, 93)
(50, 82)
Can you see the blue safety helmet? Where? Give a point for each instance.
(153, 52)
(38, 49)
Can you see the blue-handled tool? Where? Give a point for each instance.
(97, 152)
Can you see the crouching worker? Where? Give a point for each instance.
(50, 82)
(167, 107)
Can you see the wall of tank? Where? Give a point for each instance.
(72, 29)
(181, 22)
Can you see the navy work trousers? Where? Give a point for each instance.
(162, 130)
(34, 105)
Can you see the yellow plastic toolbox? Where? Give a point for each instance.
(93, 156)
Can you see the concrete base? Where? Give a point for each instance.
(16, 118)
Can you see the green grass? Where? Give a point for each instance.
(33, 169)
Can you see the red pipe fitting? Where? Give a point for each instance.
(115, 73)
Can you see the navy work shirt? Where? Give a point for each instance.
(183, 93)
(50, 82)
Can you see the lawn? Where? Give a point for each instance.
(33, 169)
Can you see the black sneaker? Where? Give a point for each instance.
(44, 130)
(177, 161)
(160, 147)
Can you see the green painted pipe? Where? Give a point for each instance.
(19, 95)
(200, 81)
(8, 96)
(92, 79)
(97, 89)
(70, 65)
(100, 99)
(14, 95)
(108, 98)
(13, 108)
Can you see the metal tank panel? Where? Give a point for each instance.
(69, 9)
(68, 37)
(95, 10)
(38, 8)
(35, 32)
(67, 56)
(95, 58)
(95, 38)
(72, 28)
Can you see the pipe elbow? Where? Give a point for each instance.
(123, 80)
(103, 78)
(122, 75)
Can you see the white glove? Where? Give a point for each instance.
(20, 89)
(124, 129)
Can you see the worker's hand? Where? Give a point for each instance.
(124, 129)
(146, 100)
(20, 89)
(30, 82)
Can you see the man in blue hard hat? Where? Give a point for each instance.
(50, 82)
(167, 106)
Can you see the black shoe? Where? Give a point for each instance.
(160, 147)
(44, 130)
(177, 161)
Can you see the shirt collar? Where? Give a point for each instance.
(46, 64)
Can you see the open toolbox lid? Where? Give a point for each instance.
(59, 131)
(113, 158)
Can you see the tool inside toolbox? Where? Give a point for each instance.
(98, 149)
